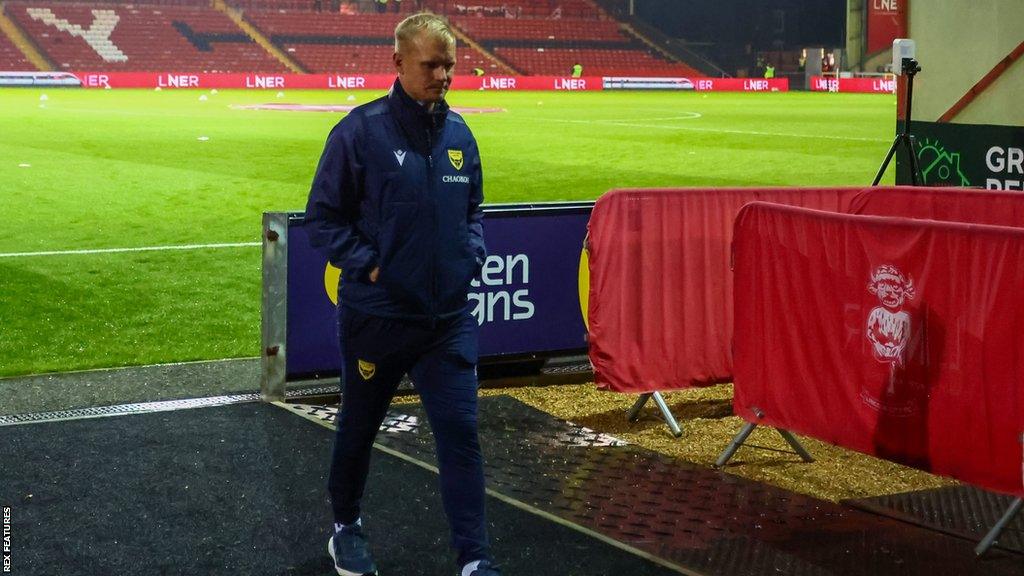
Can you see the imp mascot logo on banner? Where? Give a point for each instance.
(889, 325)
(890, 330)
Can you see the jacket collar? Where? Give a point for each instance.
(414, 119)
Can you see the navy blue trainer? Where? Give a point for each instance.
(481, 568)
(350, 552)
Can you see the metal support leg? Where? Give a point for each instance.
(667, 415)
(996, 530)
(733, 446)
(634, 412)
(796, 445)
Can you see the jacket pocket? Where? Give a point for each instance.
(401, 251)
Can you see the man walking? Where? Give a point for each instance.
(395, 204)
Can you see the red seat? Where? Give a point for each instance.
(11, 58)
(142, 38)
(152, 37)
(601, 62)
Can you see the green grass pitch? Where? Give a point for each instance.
(95, 169)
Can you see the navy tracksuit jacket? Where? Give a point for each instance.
(400, 188)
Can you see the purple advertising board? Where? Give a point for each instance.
(526, 300)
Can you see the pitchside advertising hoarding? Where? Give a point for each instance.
(881, 85)
(527, 299)
(171, 80)
(320, 81)
(969, 155)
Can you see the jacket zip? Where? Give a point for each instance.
(433, 216)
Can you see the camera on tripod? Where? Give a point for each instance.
(903, 53)
(904, 64)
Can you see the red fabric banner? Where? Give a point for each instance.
(887, 21)
(894, 337)
(660, 303)
(998, 208)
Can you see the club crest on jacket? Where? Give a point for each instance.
(455, 157)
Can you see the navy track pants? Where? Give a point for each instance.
(441, 360)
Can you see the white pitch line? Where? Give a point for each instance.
(136, 249)
(719, 130)
(689, 116)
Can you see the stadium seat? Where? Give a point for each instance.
(340, 43)
(597, 62)
(543, 37)
(142, 38)
(11, 58)
(550, 9)
(528, 38)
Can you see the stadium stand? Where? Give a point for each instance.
(11, 58)
(541, 37)
(531, 30)
(342, 43)
(552, 9)
(321, 6)
(596, 62)
(550, 45)
(113, 37)
(785, 62)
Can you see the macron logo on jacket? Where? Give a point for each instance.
(400, 156)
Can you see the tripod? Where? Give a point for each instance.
(910, 68)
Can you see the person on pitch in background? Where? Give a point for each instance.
(395, 204)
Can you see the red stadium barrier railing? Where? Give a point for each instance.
(660, 303)
(993, 207)
(894, 337)
(660, 306)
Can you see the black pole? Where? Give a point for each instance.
(885, 163)
(910, 68)
(910, 99)
(909, 119)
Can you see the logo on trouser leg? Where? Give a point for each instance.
(367, 369)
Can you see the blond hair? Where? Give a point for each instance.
(432, 24)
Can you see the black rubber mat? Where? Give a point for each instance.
(708, 521)
(239, 490)
(965, 511)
